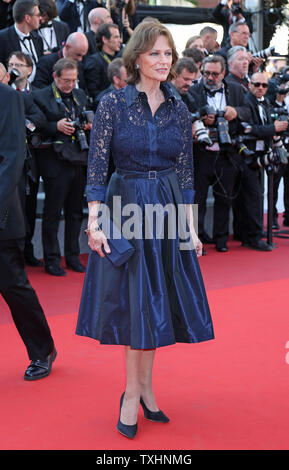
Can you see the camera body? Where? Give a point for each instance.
(79, 123)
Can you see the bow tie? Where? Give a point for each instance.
(214, 92)
(48, 25)
(29, 38)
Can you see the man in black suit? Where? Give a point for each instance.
(217, 165)
(251, 190)
(75, 48)
(22, 63)
(95, 67)
(15, 288)
(64, 179)
(53, 32)
(22, 35)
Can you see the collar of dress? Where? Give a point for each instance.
(132, 94)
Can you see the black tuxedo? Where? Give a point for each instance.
(6, 16)
(15, 288)
(61, 30)
(248, 206)
(9, 42)
(217, 168)
(44, 70)
(64, 183)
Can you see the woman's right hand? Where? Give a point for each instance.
(97, 240)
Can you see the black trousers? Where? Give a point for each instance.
(64, 191)
(215, 169)
(30, 213)
(248, 206)
(283, 172)
(22, 300)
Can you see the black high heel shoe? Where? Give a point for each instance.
(127, 430)
(155, 416)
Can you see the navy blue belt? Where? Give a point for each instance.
(151, 174)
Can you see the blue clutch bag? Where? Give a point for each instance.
(120, 248)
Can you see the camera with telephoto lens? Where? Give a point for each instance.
(201, 131)
(265, 53)
(224, 138)
(79, 123)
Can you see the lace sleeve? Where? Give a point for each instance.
(99, 149)
(184, 164)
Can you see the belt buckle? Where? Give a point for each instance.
(152, 175)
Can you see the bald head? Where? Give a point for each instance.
(98, 16)
(76, 46)
(258, 84)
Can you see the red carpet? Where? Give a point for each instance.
(230, 393)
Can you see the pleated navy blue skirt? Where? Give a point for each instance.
(157, 297)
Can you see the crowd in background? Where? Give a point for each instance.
(64, 56)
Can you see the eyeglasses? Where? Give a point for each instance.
(17, 65)
(258, 84)
(214, 74)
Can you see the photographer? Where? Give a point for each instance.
(186, 71)
(218, 165)
(63, 165)
(263, 130)
(239, 34)
(229, 12)
(280, 109)
(19, 68)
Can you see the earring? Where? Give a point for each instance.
(136, 66)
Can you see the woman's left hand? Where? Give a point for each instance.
(198, 245)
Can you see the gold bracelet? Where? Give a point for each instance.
(88, 231)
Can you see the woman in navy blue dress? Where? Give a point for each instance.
(157, 297)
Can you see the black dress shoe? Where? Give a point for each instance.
(54, 270)
(222, 248)
(32, 261)
(260, 245)
(39, 369)
(126, 430)
(275, 225)
(76, 266)
(155, 416)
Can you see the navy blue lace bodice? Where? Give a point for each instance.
(125, 129)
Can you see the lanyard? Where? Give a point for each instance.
(59, 100)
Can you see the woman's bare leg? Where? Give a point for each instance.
(139, 367)
(145, 379)
(130, 405)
